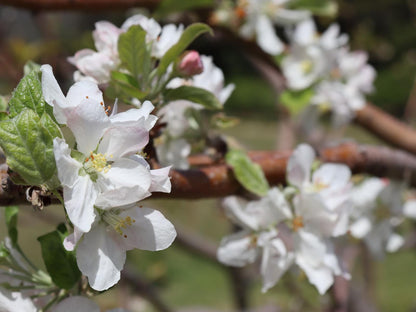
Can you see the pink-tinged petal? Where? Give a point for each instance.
(300, 165)
(97, 65)
(67, 166)
(79, 202)
(88, 122)
(237, 249)
(52, 93)
(106, 36)
(274, 263)
(84, 90)
(138, 115)
(150, 230)
(160, 180)
(152, 27)
(266, 36)
(72, 239)
(120, 141)
(125, 183)
(100, 258)
(76, 303)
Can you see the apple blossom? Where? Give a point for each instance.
(101, 252)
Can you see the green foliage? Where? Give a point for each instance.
(134, 53)
(317, 7)
(193, 94)
(126, 85)
(31, 66)
(10, 215)
(222, 121)
(28, 145)
(60, 263)
(190, 34)
(169, 6)
(28, 94)
(296, 101)
(249, 174)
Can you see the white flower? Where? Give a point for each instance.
(102, 174)
(322, 205)
(15, 301)
(101, 252)
(260, 15)
(258, 220)
(175, 152)
(97, 66)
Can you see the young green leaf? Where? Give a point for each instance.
(60, 263)
(134, 53)
(190, 34)
(296, 101)
(127, 84)
(50, 126)
(193, 94)
(10, 214)
(28, 94)
(28, 147)
(249, 174)
(31, 66)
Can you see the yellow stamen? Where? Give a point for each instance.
(297, 223)
(117, 223)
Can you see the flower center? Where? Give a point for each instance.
(297, 223)
(118, 223)
(97, 162)
(306, 66)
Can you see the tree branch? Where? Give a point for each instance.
(90, 5)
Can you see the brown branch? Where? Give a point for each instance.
(387, 127)
(89, 5)
(217, 180)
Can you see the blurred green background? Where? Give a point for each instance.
(384, 28)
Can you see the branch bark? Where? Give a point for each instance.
(88, 5)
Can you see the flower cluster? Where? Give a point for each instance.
(103, 177)
(340, 78)
(97, 65)
(293, 225)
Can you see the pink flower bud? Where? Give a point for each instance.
(190, 64)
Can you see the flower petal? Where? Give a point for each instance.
(160, 180)
(266, 36)
(299, 165)
(83, 90)
(79, 202)
(100, 258)
(237, 249)
(149, 231)
(67, 166)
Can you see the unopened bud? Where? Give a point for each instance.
(190, 64)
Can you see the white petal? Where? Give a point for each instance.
(333, 175)
(150, 230)
(125, 183)
(72, 239)
(76, 303)
(275, 261)
(120, 140)
(300, 165)
(88, 118)
(394, 242)
(409, 209)
(160, 180)
(235, 210)
(52, 92)
(100, 258)
(361, 227)
(266, 36)
(79, 202)
(15, 301)
(141, 115)
(83, 90)
(237, 249)
(67, 166)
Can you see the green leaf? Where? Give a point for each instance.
(193, 94)
(28, 94)
(190, 34)
(31, 66)
(327, 8)
(60, 263)
(134, 53)
(223, 121)
(28, 147)
(3, 103)
(127, 85)
(50, 126)
(169, 6)
(10, 214)
(249, 174)
(296, 101)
